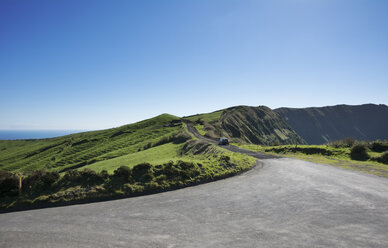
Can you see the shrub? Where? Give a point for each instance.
(383, 158)
(72, 176)
(9, 183)
(188, 170)
(142, 172)
(378, 146)
(40, 180)
(90, 177)
(179, 171)
(359, 152)
(123, 172)
(104, 174)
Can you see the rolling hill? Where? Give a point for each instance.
(85, 149)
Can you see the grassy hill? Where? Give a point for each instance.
(325, 124)
(256, 125)
(149, 156)
(85, 149)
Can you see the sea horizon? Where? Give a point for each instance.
(35, 134)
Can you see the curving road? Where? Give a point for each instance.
(282, 203)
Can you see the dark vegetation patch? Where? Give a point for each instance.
(304, 150)
(359, 152)
(42, 187)
(83, 141)
(383, 158)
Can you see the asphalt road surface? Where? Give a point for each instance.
(281, 203)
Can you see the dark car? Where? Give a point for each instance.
(223, 141)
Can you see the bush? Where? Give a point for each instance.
(40, 180)
(378, 146)
(123, 172)
(90, 177)
(383, 158)
(9, 183)
(104, 174)
(180, 171)
(73, 176)
(359, 152)
(142, 172)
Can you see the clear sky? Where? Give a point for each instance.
(100, 64)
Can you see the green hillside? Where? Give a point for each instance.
(256, 125)
(85, 149)
(146, 157)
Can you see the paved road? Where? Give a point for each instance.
(283, 203)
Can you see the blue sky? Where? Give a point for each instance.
(100, 64)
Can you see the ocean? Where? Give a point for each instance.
(34, 134)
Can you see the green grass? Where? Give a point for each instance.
(338, 157)
(155, 155)
(88, 147)
(209, 117)
(199, 128)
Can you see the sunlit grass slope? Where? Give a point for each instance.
(85, 149)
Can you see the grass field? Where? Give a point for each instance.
(325, 154)
(155, 155)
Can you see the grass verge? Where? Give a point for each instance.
(324, 154)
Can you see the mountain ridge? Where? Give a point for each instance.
(319, 125)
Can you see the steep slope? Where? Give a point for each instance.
(324, 124)
(257, 125)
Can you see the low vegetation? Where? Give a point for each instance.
(43, 187)
(370, 157)
(147, 157)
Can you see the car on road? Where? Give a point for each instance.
(223, 141)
